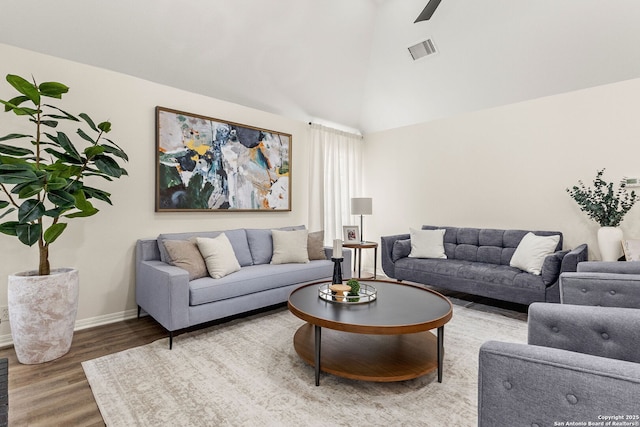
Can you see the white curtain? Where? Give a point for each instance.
(335, 177)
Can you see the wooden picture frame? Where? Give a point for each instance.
(208, 164)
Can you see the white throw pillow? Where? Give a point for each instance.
(289, 246)
(531, 252)
(427, 243)
(218, 255)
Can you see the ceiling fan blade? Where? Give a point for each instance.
(428, 11)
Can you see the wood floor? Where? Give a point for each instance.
(57, 393)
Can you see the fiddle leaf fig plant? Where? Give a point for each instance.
(43, 173)
(602, 203)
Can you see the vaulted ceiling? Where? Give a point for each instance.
(343, 62)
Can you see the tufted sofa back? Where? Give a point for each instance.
(485, 244)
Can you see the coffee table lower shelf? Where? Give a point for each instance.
(379, 358)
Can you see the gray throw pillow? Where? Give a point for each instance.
(315, 245)
(185, 254)
(401, 249)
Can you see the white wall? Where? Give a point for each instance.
(102, 246)
(507, 167)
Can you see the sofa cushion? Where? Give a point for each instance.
(427, 243)
(237, 237)
(289, 246)
(186, 255)
(452, 270)
(315, 245)
(257, 278)
(531, 252)
(218, 255)
(493, 245)
(260, 243)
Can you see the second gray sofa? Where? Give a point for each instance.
(477, 263)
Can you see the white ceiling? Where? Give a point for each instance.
(343, 61)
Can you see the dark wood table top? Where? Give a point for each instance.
(399, 309)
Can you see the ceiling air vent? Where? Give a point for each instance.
(422, 49)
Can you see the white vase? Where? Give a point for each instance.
(610, 243)
(42, 313)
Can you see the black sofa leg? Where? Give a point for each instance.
(139, 310)
(170, 340)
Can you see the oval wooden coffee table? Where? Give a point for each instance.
(385, 340)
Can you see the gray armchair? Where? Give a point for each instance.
(607, 284)
(580, 364)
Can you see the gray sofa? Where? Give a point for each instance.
(165, 292)
(477, 263)
(581, 364)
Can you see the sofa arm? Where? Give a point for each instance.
(603, 289)
(620, 267)
(600, 331)
(162, 290)
(386, 253)
(527, 385)
(574, 257)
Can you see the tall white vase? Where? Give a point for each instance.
(610, 243)
(42, 314)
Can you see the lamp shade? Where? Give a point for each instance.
(361, 206)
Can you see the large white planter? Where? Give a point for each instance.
(610, 243)
(42, 312)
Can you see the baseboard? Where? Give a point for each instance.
(6, 340)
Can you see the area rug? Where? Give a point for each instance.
(246, 373)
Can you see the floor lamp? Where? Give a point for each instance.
(361, 206)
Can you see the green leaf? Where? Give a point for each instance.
(56, 184)
(68, 146)
(24, 111)
(82, 203)
(116, 151)
(63, 156)
(86, 137)
(53, 232)
(7, 212)
(53, 89)
(3, 204)
(9, 228)
(15, 136)
(30, 190)
(15, 102)
(98, 194)
(66, 115)
(24, 87)
(17, 175)
(105, 127)
(56, 212)
(61, 198)
(28, 233)
(31, 210)
(94, 151)
(108, 166)
(83, 214)
(14, 151)
(90, 122)
(49, 123)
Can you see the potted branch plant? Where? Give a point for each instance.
(607, 206)
(43, 185)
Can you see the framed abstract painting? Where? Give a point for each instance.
(207, 164)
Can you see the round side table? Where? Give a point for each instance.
(358, 254)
